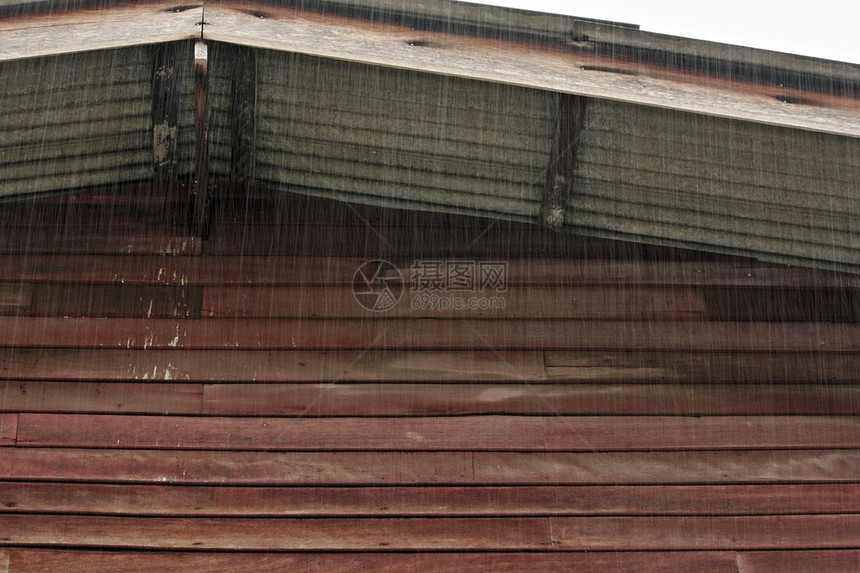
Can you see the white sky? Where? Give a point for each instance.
(822, 28)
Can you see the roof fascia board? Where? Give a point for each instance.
(601, 35)
(83, 30)
(560, 68)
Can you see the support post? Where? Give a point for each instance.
(165, 112)
(244, 124)
(562, 163)
(202, 215)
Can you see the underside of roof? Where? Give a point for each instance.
(591, 127)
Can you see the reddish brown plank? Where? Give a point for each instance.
(155, 333)
(607, 398)
(276, 271)
(410, 468)
(630, 303)
(466, 334)
(832, 561)
(116, 301)
(48, 561)
(4, 561)
(15, 298)
(275, 366)
(175, 500)
(697, 367)
(649, 468)
(8, 429)
(285, 534)
(476, 433)
(148, 398)
(422, 534)
(29, 240)
(713, 533)
(626, 336)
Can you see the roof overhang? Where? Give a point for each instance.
(529, 49)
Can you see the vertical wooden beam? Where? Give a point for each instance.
(244, 125)
(200, 225)
(165, 111)
(562, 162)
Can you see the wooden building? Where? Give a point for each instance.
(338, 285)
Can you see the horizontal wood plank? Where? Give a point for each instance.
(58, 561)
(421, 534)
(274, 271)
(520, 302)
(393, 399)
(682, 336)
(699, 367)
(550, 399)
(175, 500)
(260, 334)
(706, 532)
(159, 333)
(473, 433)
(275, 366)
(129, 398)
(8, 429)
(413, 468)
(284, 534)
(832, 561)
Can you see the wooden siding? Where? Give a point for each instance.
(228, 404)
